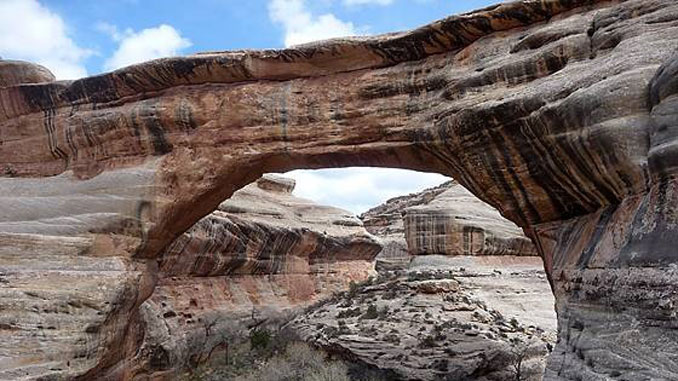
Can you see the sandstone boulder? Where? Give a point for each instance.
(20, 72)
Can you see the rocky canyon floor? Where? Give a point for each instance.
(483, 314)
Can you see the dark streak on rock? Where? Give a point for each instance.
(601, 227)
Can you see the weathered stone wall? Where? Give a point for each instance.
(386, 222)
(456, 222)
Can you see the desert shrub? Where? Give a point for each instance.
(383, 313)
(353, 288)
(351, 312)
(346, 303)
(260, 339)
(440, 365)
(299, 362)
(331, 331)
(371, 312)
(392, 338)
(428, 341)
(277, 357)
(390, 293)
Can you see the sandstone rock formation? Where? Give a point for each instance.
(18, 72)
(456, 222)
(464, 263)
(386, 222)
(258, 259)
(431, 325)
(560, 113)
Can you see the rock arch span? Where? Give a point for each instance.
(559, 113)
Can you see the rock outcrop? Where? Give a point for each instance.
(386, 222)
(559, 113)
(18, 72)
(456, 222)
(433, 325)
(469, 301)
(261, 257)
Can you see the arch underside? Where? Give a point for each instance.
(566, 126)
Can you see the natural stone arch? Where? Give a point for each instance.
(566, 127)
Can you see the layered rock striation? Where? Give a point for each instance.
(257, 260)
(386, 222)
(558, 113)
(456, 222)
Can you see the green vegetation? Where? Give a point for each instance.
(268, 356)
(260, 339)
(371, 313)
(299, 362)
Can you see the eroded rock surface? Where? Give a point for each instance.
(386, 222)
(18, 72)
(560, 113)
(473, 299)
(435, 325)
(258, 259)
(455, 222)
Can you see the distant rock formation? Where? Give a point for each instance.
(258, 259)
(446, 220)
(473, 299)
(456, 222)
(386, 222)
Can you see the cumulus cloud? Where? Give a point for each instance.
(302, 26)
(30, 31)
(147, 44)
(367, 2)
(359, 189)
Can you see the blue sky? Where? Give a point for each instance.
(75, 38)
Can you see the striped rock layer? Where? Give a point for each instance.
(559, 113)
(456, 222)
(386, 222)
(259, 258)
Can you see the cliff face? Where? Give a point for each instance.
(386, 222)
(561, 114)
(258, 259)
(456, 222)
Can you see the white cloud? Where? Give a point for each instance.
(367, 2)
(359, 189)
(302, 26)
(148, 44)
(29, 31)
